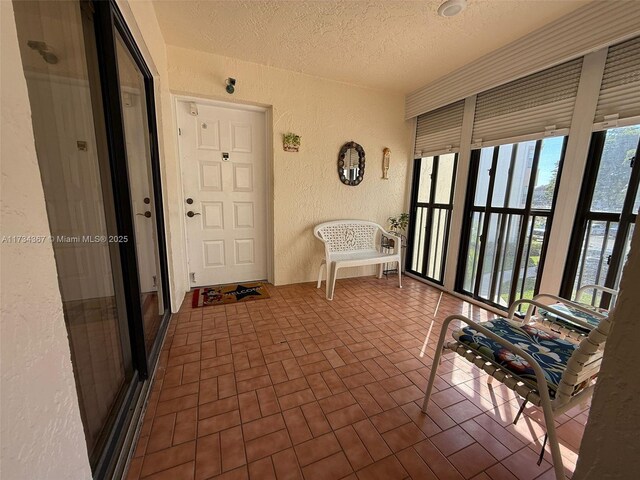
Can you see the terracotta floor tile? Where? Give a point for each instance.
(232, 455)
(472, 460)
(317, 448)
(403, 436)
(452, 440)
(415, 465)
(353, 447)
(297, 426)
(267, 445)
(388, 468)
(168, 458)
(330, 468)
(376, 446)
(286, 465)
(263, 426)
(390, 419)
(208, 457)
(266, 389)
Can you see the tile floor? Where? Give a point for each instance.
(298, 387)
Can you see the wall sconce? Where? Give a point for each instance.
(231, 85)
(386, 161)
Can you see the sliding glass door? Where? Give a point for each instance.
(607, 212)
(510, 200)
(431, 205)
(91, 99)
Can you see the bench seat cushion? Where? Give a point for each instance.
(571, 310)
(361, 255)
(550, 351)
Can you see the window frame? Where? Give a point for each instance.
(584, 216)
(528, 214)
(430, 206)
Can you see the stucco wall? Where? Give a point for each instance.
(609, 447)
(41, 429)
(306, 188)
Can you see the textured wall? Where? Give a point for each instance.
(326, 114)
(42, 435)
(609, 447)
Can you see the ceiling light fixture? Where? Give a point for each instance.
(451, 8)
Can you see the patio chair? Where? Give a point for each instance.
(587, 313)
(354, 243)
(548, 371)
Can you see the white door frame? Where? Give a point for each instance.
(268, 111)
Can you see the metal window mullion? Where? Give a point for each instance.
(487, 217)
(527, 214)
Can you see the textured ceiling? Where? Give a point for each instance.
(390, 45)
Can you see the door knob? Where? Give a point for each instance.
(189, 201)
(145, 214)
(192, 214)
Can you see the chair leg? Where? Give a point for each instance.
(399, 276)
(322, 266)
(334, 275)
(380, 270)
(434, 367)
(556, 454)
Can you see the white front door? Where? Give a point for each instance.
(223, 159)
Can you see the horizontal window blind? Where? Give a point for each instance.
(439, 131)
(537, 104)
(620, 88)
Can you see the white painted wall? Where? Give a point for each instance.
(610, 443)
(41, 430)
(306, 188)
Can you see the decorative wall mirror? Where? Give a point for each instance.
(351, 164)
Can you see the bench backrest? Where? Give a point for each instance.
(348, 235)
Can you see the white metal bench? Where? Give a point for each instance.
(354, 243)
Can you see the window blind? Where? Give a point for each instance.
(620, 88)
(439, 131)
(539, 104)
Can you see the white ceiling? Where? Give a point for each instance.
(390, 45)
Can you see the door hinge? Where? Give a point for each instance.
(179, 131)
(609, 260)
(193, 277)
(632, 161)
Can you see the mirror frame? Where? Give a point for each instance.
(361, 162)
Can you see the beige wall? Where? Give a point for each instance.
(42, 434)
(609, 447)
(306, 188)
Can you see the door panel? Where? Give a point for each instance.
(141, 186)
(223, 170)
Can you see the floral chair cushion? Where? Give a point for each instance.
(571, 310)
(550, 351)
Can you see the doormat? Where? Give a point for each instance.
(232, 293)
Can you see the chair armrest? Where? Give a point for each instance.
(397, 241)
(534, 303)
(576, 305)
(584, 288)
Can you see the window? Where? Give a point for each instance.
(432, 197)
(95, 135)
(507, 219)
(607, 211)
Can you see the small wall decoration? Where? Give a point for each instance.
(351, 161)
(386, 161)
(290, 142)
